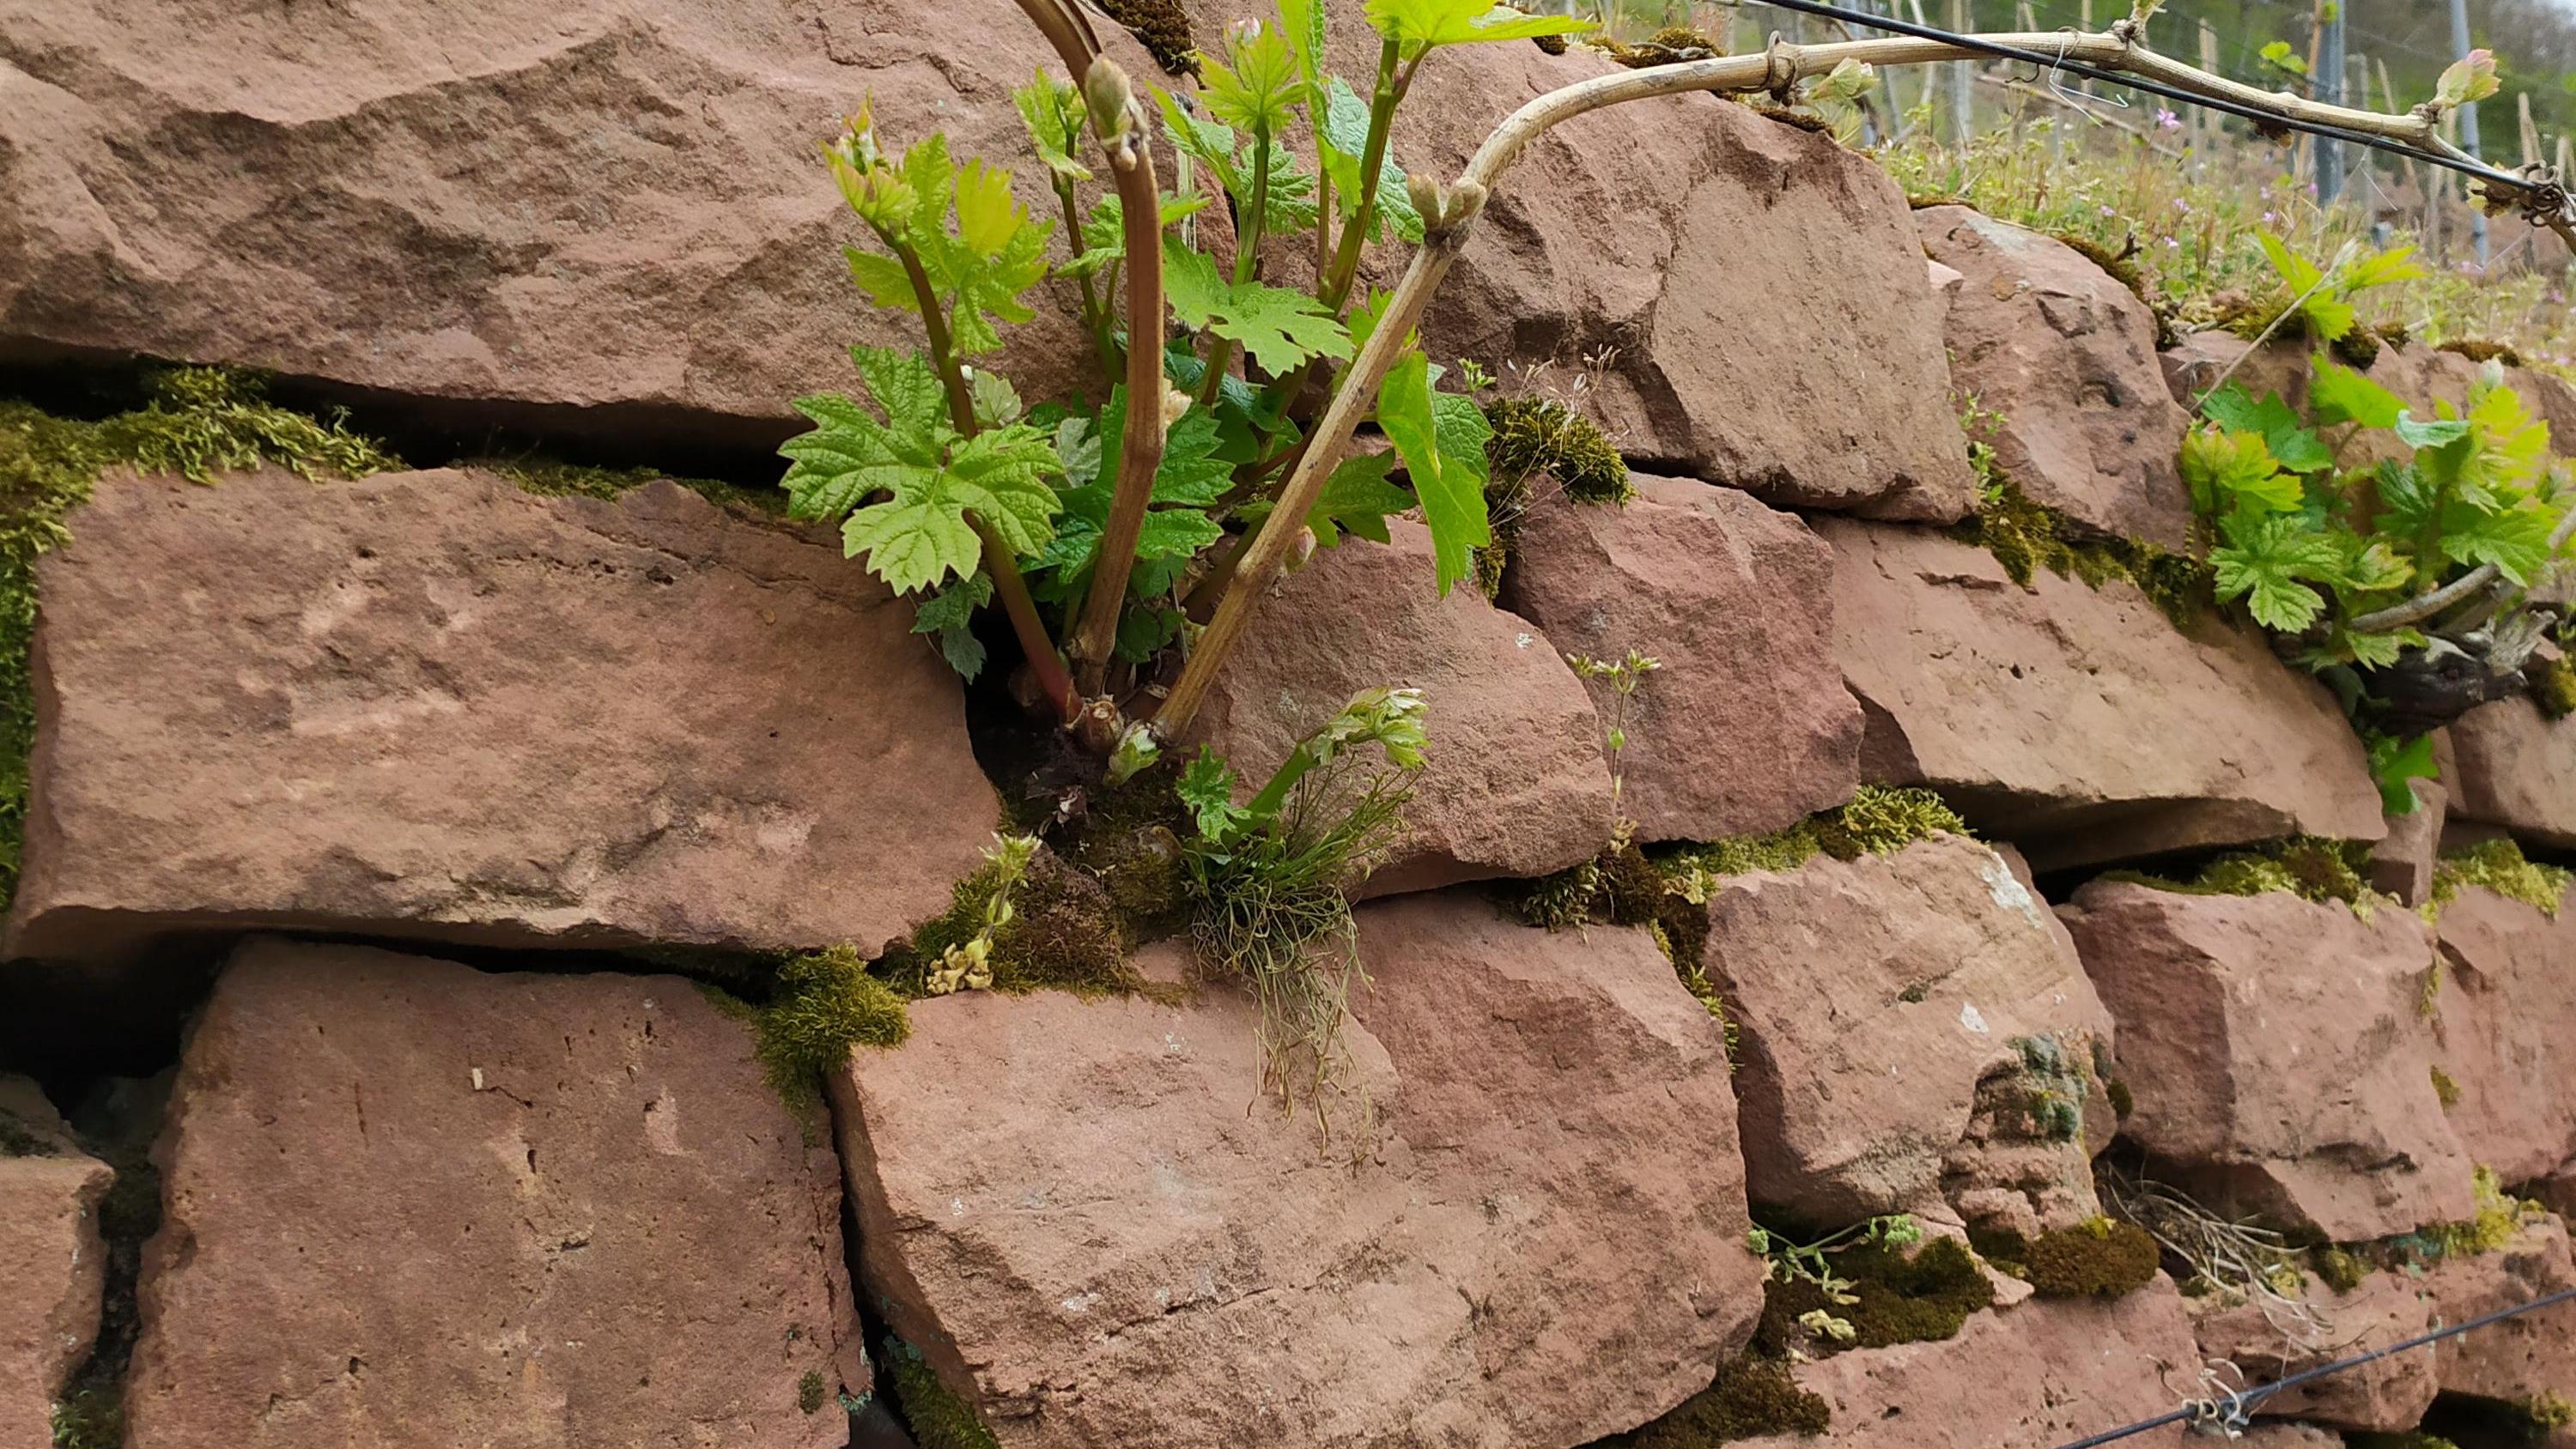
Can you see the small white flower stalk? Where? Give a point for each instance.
(969, 966)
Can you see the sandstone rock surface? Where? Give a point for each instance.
(2523, 1357)
(1689, 235)
(2078, 722)
(2387, 1395)
(2506, 1021)
(52, 1264)
(2517, 771)
(1747, 727)
(1906, 1022)
(612, 205)
(430, 704)
(2029, 1377)
(411, 1204)
(2066, 354)
(2277, 1054)
(1082, 1216)
(2402, 862)
(1516, 784)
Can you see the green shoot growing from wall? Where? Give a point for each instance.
(1271, 878)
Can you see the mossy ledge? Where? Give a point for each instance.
(1750, 1399)
(2499, 866)
(1921, 1298)
(1535, 438)
(938, 1418)
(2310, 867)
(2025, 537)
(2097, 1258)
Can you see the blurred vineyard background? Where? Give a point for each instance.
(2183, 193)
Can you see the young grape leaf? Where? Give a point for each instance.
(2395, 762)
(2227, 469)
(1418, 25)
(1276, 327)
(1053, 112)
(2468, 80)
(1343, 136)
(1357, 498)
(919, 535)
(1257, 84)
(2341, 395)
(2264, 560)
(2417, 432)
(2292, 444)
(2515, 540)
(1144, 633)
(1206, 787)
(950, 614)
(1444, 457)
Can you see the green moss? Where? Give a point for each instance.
(2307, 866)
(2553, 687)
(2122, 268)
(2410, 1440)
(2498, 866)
(2489, 1423)
(1751, 1398)
(2340, 1269)
(550, 477)
(1163, 27)
(1921, 1298)
(2025, 537)
(938, 1419)
(811, 1391)
(17, 1139)
(2446, 1089)
(2499, 1217)
(1879, 820)
(91, 1417)
(2356, 349)
(2097, 1258)
(2123, 1101)
(1064, 935)
(1130, 841)
(1542, 437)
(2477, 350)
(827, 1005)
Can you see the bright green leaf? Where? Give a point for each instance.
(2417, 432)
(2394, 762)
(1418, 25)
(2230, 469)
(1256, 84)
(1206, 787)
(1444, 457)
(2341, 395)
(950, 614)
(2468, 80)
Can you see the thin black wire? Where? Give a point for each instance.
(2253, 1396)
(2046, 61)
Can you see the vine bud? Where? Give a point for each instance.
(1110, 97)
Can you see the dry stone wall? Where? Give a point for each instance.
(460, 815)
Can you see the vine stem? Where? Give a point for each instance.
(999, 561)
(1779, 68)
(1140, 206)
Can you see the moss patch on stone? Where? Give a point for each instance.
(1879, 820)
(2498, 866)
(550, 477)
(938, 1419)
(2480, 350)
(2446, 1089)
(2025, 537)
(826, 1006)
(2553, 688)
(1751, 1398)
(1921, 1298)
(2310, 867)
(1064, 934)
(195, 422)
(1536, 438)
(2339, 1268)
(2097, 1258)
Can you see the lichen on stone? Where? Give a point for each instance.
(1751, 1398)
(938, 1419)
(2498, 866)
(811, 1392)
(2310, 867)
(2025, 537)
